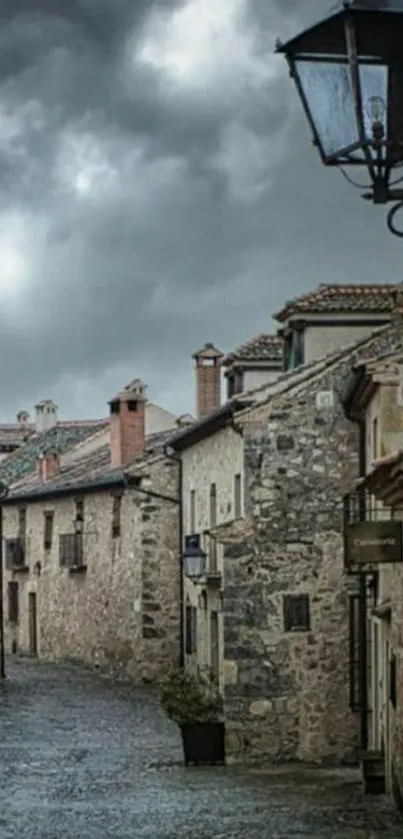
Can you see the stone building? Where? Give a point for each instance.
(256, 363)
(330, 317)
(262, 482)
(374, 400)
(92, 544)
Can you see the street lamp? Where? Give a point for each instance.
(194, 560)
(3, 494)
(348, 70)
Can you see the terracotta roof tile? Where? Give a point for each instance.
(261, 348)
(377, 299)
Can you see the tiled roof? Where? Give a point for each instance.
(87, 469)
(346, 299)
(14, 434)
(61, 437)
(261, 348)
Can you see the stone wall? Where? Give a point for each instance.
(123, 611)
(287, 692)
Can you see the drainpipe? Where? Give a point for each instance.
(177, 459)
(363, 601)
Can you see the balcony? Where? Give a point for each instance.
(15, 555)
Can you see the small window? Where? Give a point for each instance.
(190, 630)
(192, 511)
(392, 681)
(48, 530)
(237, 496)
(375, 440)
(296, 613)
(13, 602)
(132, 405)
(79, 520)
(22, 522)
(114, 406)
(116, 514)
(213, 505)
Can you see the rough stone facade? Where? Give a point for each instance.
(285, 681)
(288, 699)
(122, 612)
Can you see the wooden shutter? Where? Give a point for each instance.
(67, 550)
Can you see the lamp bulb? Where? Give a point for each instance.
(376, 109)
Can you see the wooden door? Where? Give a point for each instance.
(32, 618)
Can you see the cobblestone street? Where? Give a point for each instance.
(82, 757)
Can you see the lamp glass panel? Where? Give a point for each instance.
(328, 91)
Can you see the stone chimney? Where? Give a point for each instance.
(45, 415)
(127, 423)
(48, 466)
(23, 418)
(208, 379)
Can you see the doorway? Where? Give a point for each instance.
(32, 624)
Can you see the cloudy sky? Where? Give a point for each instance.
(159, 189)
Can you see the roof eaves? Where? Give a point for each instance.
(203, 428)
(48, 491)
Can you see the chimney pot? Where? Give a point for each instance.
(127, 423)
(23, 418)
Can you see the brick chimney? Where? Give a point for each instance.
(48, 466)
(127, 423)
(208, 379)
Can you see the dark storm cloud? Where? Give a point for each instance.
(153, 212)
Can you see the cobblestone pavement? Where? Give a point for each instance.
(83, 758)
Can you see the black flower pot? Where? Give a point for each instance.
(203, 742)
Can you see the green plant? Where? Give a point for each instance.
(189, 698)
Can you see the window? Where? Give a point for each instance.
(79, 509)
(190, 629)
(22, 522)
(213, 522)
(79, 530)
(238, 382)
(296, 613)
(294, 349)
(13, 602)
(375, 440)
(192, 511)
(392, 681)
(237, 496)
(48, 530)
(116, 511)
(70, 551)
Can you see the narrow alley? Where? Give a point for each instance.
(83, 757)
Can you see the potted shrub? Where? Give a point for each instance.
(194, 703)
